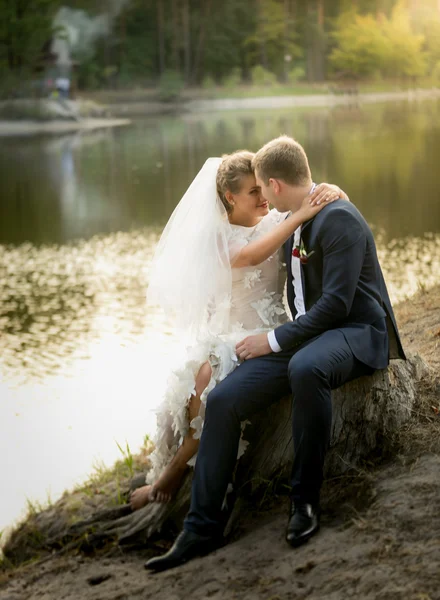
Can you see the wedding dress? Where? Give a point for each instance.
(254, 304)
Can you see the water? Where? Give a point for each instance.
(82, 360)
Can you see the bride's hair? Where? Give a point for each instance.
(230, 173)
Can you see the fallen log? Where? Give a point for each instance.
(367, 414)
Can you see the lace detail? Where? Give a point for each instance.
(269, 308)
(251, 277)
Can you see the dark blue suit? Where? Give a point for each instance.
(348, 331)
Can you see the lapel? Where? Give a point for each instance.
(306, 225)
(304, 229)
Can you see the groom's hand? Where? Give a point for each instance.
(253, 346)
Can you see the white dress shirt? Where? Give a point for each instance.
(297, 287)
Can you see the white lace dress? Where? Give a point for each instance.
(256, 306)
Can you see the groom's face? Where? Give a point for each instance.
(282, 196)
(267, 191)
(274, 193)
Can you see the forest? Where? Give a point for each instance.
(123, 44)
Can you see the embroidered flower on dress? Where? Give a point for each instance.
(269, 308)
(219, 314)
(251, 278)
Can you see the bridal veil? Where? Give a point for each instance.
(190, 276)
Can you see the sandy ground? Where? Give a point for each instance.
(382, 543)
(20, 128)
(132, 106)
(272, 102)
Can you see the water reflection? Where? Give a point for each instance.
(57, 190)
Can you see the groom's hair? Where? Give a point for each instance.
(282, 158)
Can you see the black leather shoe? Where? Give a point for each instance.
(188, 545)
(303, 523)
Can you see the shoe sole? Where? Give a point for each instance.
(299, 541)
(172, 565)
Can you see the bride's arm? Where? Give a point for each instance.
(258, 251)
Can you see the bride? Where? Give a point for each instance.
(218, 271)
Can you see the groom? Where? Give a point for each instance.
(343, 327)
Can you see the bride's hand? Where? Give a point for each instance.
(311, 207)
(326, 192)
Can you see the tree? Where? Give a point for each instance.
(405, 56)
(389, 47)
(361, 45)
(25, 29)
(315, 40)
(273, 37)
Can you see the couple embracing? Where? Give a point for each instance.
(219, 270)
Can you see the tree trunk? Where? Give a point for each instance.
(176, 34)
(286, 39)
(161, 36)
(201, 41)
(315, 40)
(186, 40)
(310, 45)
(263, 51)
(367, 414)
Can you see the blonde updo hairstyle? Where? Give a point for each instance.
(230, 174)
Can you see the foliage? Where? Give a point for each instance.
(204, 41)
(208, 83)
(404, 48)
(170, 86)
(274, 37)
(436, 72)
(261, 76)
(367, 45)
(295, 74)
(25, 28)
(233, 79)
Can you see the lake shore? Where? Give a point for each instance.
(28, 127)
(117, 110)
(135, 106)
(52, 116)
(382, 540)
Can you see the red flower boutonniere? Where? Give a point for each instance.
(301, 253)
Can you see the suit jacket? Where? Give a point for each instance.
(343, 288)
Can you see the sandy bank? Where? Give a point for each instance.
(150, 107)
(20, 128)
(314, 100)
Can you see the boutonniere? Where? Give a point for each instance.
(301, 253)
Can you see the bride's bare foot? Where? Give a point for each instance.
(168, 483)
(163, 490)
(141, 496)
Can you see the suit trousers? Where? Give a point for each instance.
(309, 372)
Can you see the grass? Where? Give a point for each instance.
(98, 482)
(256, 91)
(128, 458)
(33, 507)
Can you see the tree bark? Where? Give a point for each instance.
(201, 40)
(176, 34)
(186, 40)
(161, 36)
(286, 38)
(263, 51)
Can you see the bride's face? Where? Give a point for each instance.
(248, 204)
